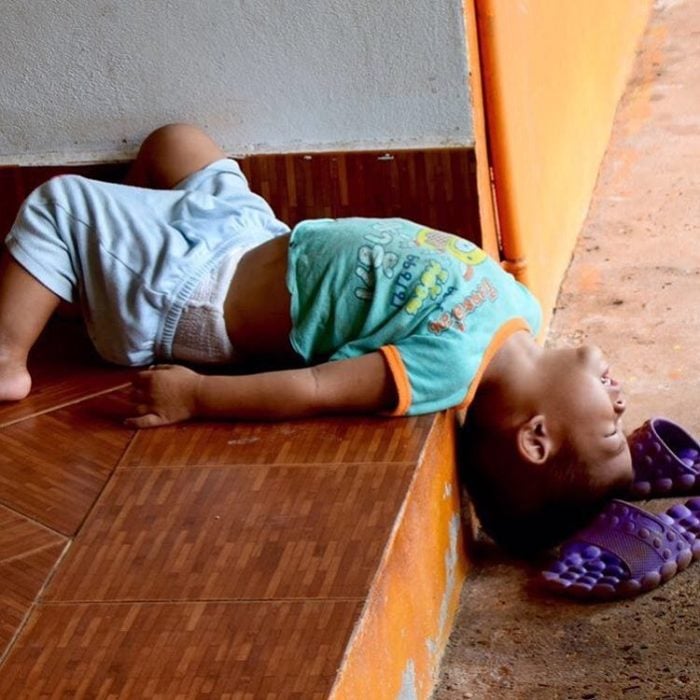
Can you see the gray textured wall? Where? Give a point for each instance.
(85, 80)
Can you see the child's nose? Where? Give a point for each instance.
(619, 405)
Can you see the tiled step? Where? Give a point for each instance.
(310, 559)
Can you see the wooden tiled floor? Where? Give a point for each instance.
(220, 649)
(201, 560)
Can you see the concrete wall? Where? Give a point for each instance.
(85, 80)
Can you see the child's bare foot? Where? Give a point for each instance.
(15, 381)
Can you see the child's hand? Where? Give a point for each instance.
(162, 395)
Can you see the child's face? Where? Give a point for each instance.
(584, 404)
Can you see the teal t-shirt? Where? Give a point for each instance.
(434, 304)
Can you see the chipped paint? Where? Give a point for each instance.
(408, 683)
(450, 570)
(434, 645)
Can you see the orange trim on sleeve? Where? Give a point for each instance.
(400, 376)
(501, 335)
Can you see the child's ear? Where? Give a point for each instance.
(534, 441)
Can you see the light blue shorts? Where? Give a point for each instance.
(134, 256)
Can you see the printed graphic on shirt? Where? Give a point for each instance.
(419, 279)
(430, 286)
(456, 316)
(373, 258)
(458, 248)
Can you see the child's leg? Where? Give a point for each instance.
(171, 153)
(25, 307)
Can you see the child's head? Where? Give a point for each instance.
(543, 450)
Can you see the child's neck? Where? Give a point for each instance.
(514, 359)
(504, 392)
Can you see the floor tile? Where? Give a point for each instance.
(28, 553)
(64, 369)
(320, 441)
(219, 650)
(53, 466)
(234, 533)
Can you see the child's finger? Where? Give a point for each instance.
(137, 394)
(143, 409)
(150, 420)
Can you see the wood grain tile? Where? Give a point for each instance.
(321, 441)
(28, 554)
(17, 182)
(234, 533)
(53, 466)
(434, 186)
(194, 650)
(64, 368)
(11, 196)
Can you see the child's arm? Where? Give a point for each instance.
(169, 393)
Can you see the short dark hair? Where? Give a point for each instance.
(525, 510)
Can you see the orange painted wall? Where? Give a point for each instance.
(552, 74)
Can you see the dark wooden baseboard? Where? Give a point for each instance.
(436, 187)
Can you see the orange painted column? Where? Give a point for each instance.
(488, 223)
(552, 75)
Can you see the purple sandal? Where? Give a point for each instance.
(666, 460)
(626, 551)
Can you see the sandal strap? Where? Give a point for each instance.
(641, 540)
(664, 456)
